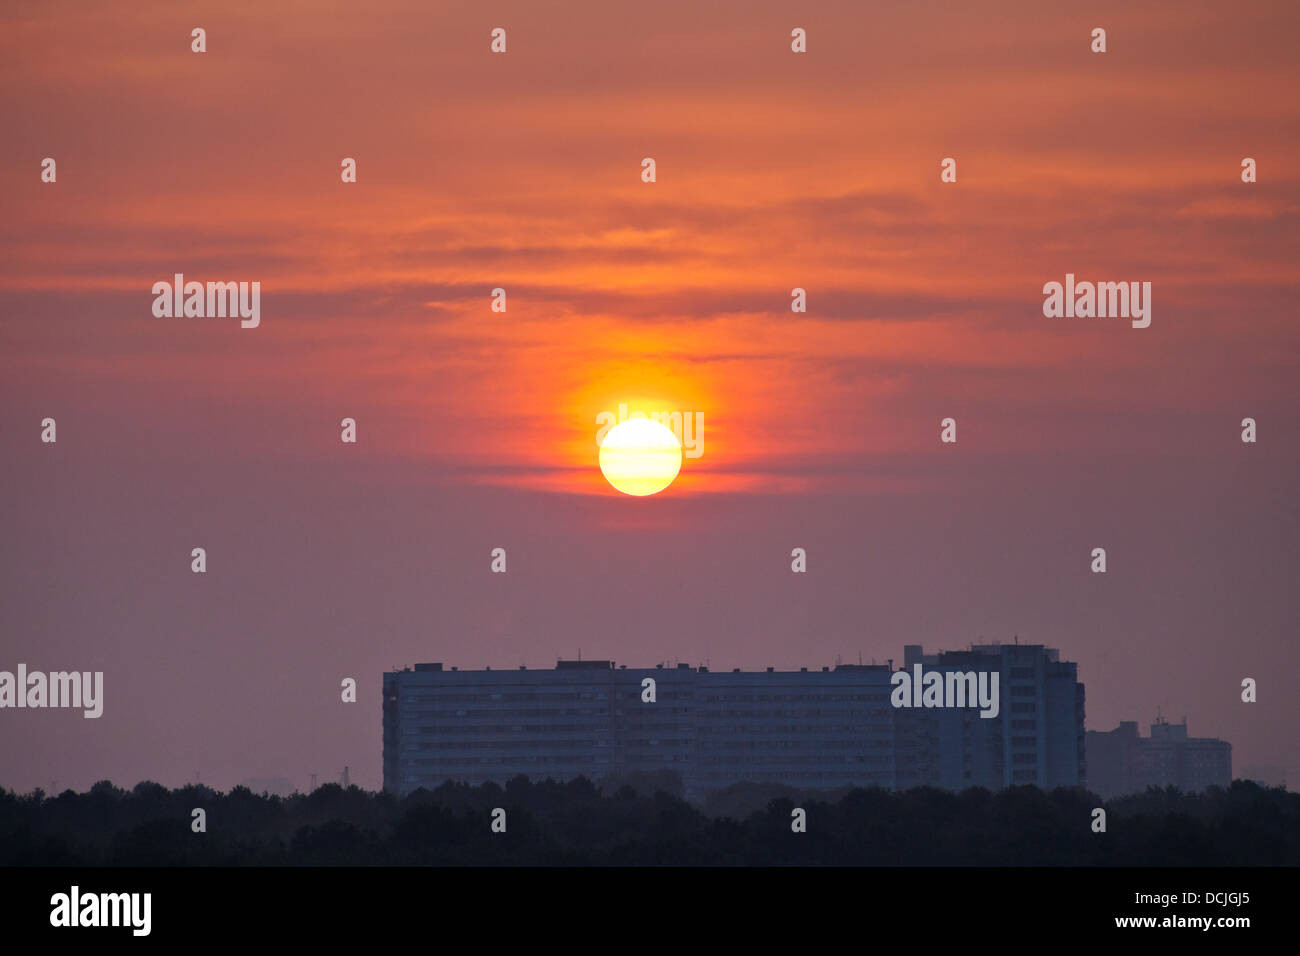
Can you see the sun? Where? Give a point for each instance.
(640, 457)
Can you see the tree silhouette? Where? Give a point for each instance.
(642, 821)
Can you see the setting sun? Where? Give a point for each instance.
(640, 457)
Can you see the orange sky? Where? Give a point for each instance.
(774, 171)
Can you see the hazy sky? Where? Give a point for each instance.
(476, 429)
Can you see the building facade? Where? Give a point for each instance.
(1120, 761)
(810, 729)
(1037, 737)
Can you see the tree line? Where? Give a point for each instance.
(646, 821)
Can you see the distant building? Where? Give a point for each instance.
(808, 729)
(818, 729)
(1122, 762)
(1036, 738)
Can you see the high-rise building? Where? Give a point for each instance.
(818, 729)
(1035, 738)
(496, 724)
(1120, 761)
(809, 729)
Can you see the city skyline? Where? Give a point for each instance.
(854, 725)
(1113, 763)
